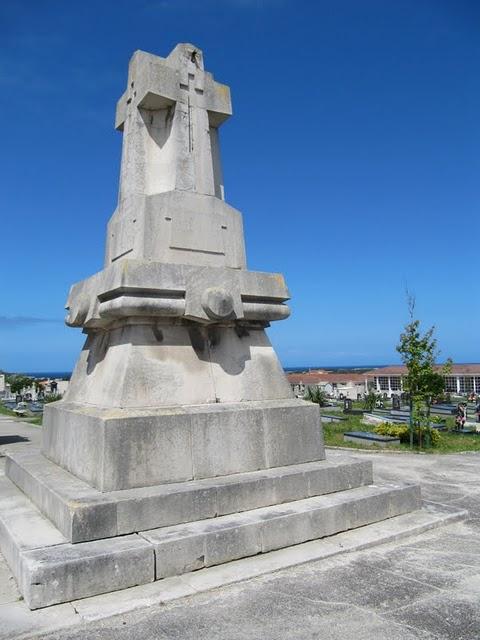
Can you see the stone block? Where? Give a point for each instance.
(178, 554)
(67, 572)
(340, 477)
(225, 442)
(77, 510)
(296, 488)
(249, 490)
(236, 540)
(123, 449)
(141, 509)
(22, 527)
(286, 526)
(289, 436)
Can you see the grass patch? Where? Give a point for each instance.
(450, 442)
(6, 412)
(37, 421)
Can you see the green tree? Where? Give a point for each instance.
(315, 394)
(18, 383)
(422, 382)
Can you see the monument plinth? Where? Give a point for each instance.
(179, 444)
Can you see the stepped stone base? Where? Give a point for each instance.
(235, 516)
(83, 513)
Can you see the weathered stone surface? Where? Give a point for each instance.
(80, 512)
(155, 364)
(66, 572)
(236, 536)
(50, 570)
(121, 449)
(142, 289)
(22, 527)
(181, 319)
(83, 513)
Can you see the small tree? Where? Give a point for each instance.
(422, 382)
(370, 400)
(18, 383)
(315, 394)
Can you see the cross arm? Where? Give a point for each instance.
(216, 100)
(146, 74)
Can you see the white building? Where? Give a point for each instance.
(462, 380)
(335, 385)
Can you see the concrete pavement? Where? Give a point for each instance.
(422, 587)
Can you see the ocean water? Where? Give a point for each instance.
(63, 375)
(66, 375)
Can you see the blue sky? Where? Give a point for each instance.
(353, 154)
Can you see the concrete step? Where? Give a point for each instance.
(83, 513)
(50, 570)
(197, 545)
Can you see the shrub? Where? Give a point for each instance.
(402, 431)
(394, 430)
(370, 401)
(52, 398)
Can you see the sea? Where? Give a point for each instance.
(66, 375)
(62, 375)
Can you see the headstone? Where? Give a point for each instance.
(396, 403)
(347, 405)
(177, 382)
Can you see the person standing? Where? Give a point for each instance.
(460, 417)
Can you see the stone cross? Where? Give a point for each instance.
(170, 116)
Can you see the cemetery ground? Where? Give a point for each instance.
(425, 587)
(450, 442)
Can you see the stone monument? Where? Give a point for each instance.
(179, 444)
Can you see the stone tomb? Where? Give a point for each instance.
(179, 444)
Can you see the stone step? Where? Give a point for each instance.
(18, 519)
(50, 570)
(189, 547)
(83, 513)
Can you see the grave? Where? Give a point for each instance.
(368, 438)
(179, 444)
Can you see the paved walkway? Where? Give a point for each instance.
(422, 588)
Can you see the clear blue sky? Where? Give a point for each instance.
(353, 153)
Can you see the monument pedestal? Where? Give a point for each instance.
(65, 540)
(115, 449)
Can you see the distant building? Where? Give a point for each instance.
(336, 385)
(2, 385)
(39, 389)
(463, 379)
